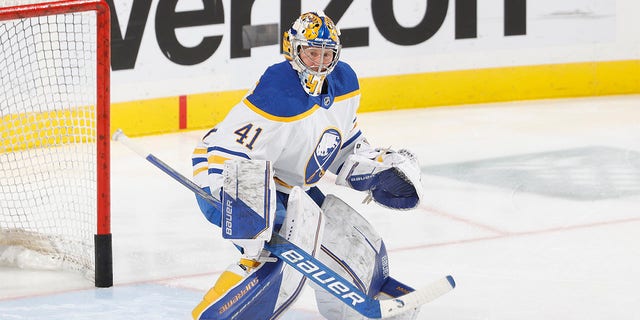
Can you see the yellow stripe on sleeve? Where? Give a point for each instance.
(217, 159)
(199, 170)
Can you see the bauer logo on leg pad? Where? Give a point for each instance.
(236, 210)
(323, 278)
(228, 218)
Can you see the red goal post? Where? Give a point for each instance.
(51, 107)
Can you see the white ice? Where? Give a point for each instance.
(533, 207)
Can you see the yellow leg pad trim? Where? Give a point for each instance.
(225, 282)
(249, 263)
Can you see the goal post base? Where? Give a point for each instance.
(104, 265)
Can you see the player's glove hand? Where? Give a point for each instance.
(391, 179)
(392, 187)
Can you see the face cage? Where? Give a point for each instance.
(297, 52)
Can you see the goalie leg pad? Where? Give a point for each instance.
(248, 204)
(353, 249)
(304, 227)
(264, 291)
(304, 222)
(242, 292)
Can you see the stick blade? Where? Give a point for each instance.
(426, 294)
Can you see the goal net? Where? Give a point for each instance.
(54, 136)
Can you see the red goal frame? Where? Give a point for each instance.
(102, 239)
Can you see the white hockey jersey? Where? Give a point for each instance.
(302, 135)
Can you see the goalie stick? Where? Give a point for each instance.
(308, 265)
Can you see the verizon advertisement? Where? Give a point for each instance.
(175, 47)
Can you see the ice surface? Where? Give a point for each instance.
(533, 207)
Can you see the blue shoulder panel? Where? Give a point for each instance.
(279, 92)
(279, 95)
(343, 80)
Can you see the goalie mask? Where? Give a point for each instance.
(312, 45)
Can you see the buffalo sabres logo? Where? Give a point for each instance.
(324, 153)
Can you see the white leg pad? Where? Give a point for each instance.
(304, 223)
(353, 249)
(248, 204)
(303, 226)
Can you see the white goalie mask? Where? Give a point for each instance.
(313, 38)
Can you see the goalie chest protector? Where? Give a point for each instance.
(302, 135)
